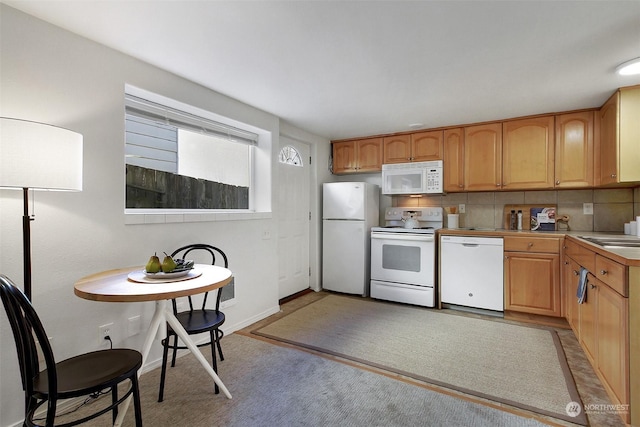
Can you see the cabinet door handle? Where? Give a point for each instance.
(497, 185)
(603, 272)
(575, 272)
(530, 244)
(593, 286)
(558, 182)
(613, 175)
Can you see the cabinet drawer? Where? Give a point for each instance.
(613, 274)
(532, 244)
(581, 255)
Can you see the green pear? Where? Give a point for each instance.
(153, 266)
(168, 264)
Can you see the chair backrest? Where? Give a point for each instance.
(27, 328)
(205, 254)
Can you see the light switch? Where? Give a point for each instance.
(587, 208)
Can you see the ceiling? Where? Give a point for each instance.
(343, 69)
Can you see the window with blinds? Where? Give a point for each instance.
(178, 160)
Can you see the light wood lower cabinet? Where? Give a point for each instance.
(612, 341)
(602, 323)
(587, 321)
(570, 279)
(532, 275)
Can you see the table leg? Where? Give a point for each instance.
(157, 321)
(179, 330)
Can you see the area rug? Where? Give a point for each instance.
(521, 366)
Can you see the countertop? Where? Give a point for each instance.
(626, 256)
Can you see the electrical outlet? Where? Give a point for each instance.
(266, 234)
(103, 332)
(587, 208)
(462, 208)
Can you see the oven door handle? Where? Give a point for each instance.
(404, 236)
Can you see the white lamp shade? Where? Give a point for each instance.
(39, 156)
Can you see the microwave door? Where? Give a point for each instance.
(403, 182)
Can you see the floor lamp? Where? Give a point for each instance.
(37, 156)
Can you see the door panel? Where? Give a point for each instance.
(293, 225)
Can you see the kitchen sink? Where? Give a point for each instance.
(614, 242)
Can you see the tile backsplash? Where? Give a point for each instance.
(611, 207)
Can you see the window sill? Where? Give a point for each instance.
(168, 218)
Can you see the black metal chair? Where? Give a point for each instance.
(83, 375)
(196, 321)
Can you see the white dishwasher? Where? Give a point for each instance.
(471, 272)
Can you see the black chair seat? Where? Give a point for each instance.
(199, 321)
(91, 372)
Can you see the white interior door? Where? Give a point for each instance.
(293, 214)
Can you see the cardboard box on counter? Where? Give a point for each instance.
(543, 219)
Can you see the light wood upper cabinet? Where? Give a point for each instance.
(528, 153)
(397, 149)
(357, 156)
(483, 157)
(574, 150)
(426, 146)
(415, 147)
(608, 152)
(369, 154)
(453, 160)
(619, 156)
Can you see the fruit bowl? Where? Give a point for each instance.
(171, 275)
(182, 269)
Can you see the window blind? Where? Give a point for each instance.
(150, 110)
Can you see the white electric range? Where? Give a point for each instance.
(403, 259)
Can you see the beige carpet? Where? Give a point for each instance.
(276, 386)
(517, 365)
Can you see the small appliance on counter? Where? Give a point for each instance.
(403, 256)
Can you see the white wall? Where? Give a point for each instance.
(53, 76)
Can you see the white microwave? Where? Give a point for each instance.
(412, 178)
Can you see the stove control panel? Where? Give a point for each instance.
(427, 216)
(421, 214)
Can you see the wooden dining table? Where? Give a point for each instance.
(131, 284)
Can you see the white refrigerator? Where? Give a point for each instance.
(349, 210)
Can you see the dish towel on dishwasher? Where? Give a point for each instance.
(582, 285)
